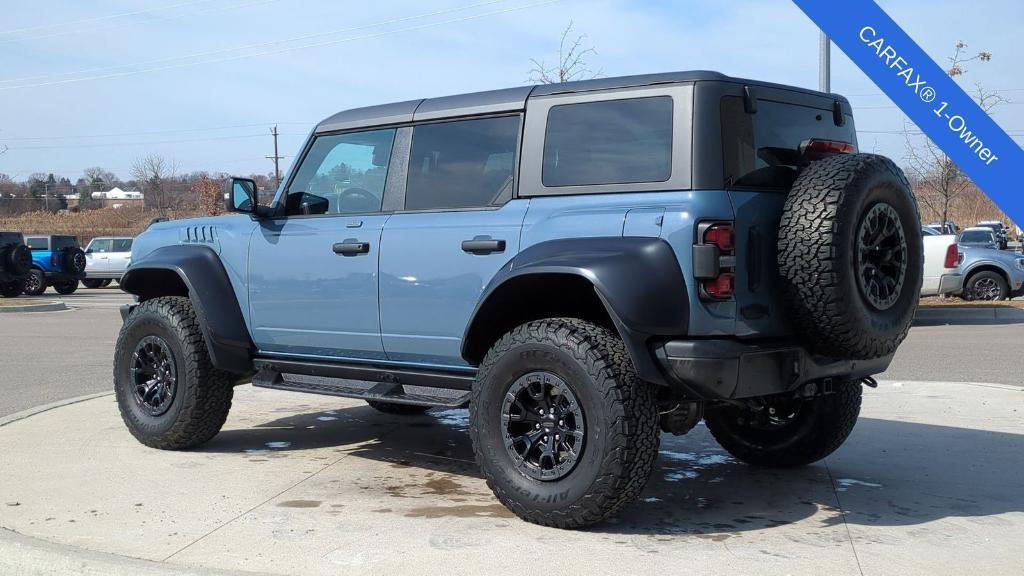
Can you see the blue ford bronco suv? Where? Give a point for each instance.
(585, 265)
(57, 261)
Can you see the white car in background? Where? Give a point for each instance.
(941, 260)
(106, 260)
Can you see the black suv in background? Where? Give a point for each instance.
(15, 264)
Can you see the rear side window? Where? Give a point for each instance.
(762, 150)
(123, 245)
(609, 142)
(61, 242)
(462, 164)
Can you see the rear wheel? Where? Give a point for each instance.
(401, 409)
(785, 432)
(169, 394)
(93, 283)
(35, 284)
(986, 285)
(564, 431)
(65, 287)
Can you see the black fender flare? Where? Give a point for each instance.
(196, 271)
(638, 280)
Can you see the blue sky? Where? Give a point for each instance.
(86, 83)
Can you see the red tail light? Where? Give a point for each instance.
(817, 146)
(53, 259)
(721, 235)
(952, 256)
(721, 287)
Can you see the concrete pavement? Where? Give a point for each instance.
(928, 483)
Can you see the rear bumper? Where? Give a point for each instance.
(725, 369)
(951, 283)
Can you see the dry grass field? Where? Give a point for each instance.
(89, 224)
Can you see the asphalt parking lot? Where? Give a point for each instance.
(929, 482)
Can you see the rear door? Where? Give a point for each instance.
(761, 151)
(456, 228)
(120, 255)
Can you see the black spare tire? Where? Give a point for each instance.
(850, 256)
(74, 260)
(19, 260)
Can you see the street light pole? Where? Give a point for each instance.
(824, 64)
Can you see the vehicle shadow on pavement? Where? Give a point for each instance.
(889, 473)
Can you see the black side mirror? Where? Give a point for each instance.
(241, 195)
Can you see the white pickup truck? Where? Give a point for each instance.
(941, 259)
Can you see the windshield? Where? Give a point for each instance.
(929, 231)
(976, 237)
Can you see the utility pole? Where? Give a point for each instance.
(276, 158)
(824, 64)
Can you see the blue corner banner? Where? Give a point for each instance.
(927, 95)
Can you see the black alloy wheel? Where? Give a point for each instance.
(881, 256)
(154, 375)
(543, 426)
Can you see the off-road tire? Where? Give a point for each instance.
(203, 393)
(93, 283)
(620, 411)
(17, 260)
(970, 290)
(74, 260)
(36, 283)
(12, 289)
(65, 287)
(819, 428)
(817, 256)
(400, 409)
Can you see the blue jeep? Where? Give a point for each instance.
(584, 265)
(57, 261)
(15, 264)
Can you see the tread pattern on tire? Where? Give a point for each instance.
(835, 418)
(205, 390)
(808, 259)
(633, 431)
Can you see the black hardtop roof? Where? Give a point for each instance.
(513, 99)
(27, 236)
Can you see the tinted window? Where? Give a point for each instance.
(465, 164)
(762, 150)
(102, 245)
(929, 231)
(61, 242)
(346, 170)
(37, 243)
(613, 142)
(123, 245)
(976, 236)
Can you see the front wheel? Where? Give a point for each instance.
(986, 285)
(564, 431)
(786, 432)
(35, 284)
(169, 394)
(93, 283)
(66, 287)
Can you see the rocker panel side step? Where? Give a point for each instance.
(365, 382)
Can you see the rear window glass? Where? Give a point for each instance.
(122, 245)
(61, 242)
(613, 142)
(978, 236)
(762, 150)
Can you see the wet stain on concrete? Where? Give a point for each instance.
(461, 511)
(445, 487)
(383, 510)
(300, 504)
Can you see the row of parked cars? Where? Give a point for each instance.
(973, 264)
(31, 264)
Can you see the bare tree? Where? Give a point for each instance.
(941, 182)
(572, 62)
(153, 172)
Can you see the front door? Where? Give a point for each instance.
(457, 229)
(313, 270)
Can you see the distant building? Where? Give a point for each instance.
(115, 194)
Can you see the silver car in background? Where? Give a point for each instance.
(989, 273)
(106, 260)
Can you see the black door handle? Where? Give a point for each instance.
(481, 246)
(352, 248)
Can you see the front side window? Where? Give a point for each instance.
(462, 164)
(37, 243)
(610, 142)
(342, 174)
(101, 245)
